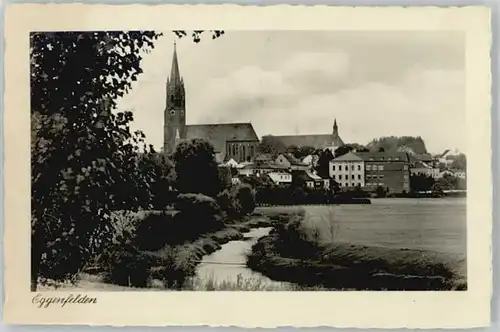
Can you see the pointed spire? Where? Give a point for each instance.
(335, 127)
(175, 76)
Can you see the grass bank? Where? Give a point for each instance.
(293, 252)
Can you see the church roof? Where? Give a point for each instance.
(349, 156)
(219, 134)
(316, 141)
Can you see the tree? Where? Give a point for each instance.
(196, 169)
(323, 167)
(300, 152)
(84, 160)
(437, 190)
(272, 145)
(395, 143)
(344, 149)
(448, 182)
(84, 156)
(197, 34)
(162, 167)
(421, 182)
(460, 162)
(380, 191)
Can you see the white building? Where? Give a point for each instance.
(280, 177)
(348, 170)
(421, 168)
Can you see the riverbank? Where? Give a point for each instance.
(174, 267)
(347, 266)
(390, 247)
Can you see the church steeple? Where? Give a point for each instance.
(174, 128)
(175, 76)
(335, 127)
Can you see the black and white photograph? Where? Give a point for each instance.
(332, 161)
(237, 160)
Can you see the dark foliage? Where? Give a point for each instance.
(323, 166)
(237, 201)
(421, 182)
(196, 169)
(300, 152)
(197, 34)
(340, 151)
(395, 143)
(83, 155)
(272, 145)
(460, 162)
(199, 213)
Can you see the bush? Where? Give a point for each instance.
(246, 198)
(237, 201)
(157, 229)
(198, 213)
(174, 266)
(295, 240)
(229, 204)
(127, 266)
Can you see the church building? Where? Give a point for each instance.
(236, 141)
(321, 141)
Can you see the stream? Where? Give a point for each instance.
(229, 263)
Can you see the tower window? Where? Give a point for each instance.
(182, 112)
(172, 112)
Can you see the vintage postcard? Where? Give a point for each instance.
(248, 166)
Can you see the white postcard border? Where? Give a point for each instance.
(470, 308)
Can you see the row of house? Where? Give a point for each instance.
(366, 170)
(370, 170)
(282, 170)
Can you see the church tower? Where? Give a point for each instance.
(174, 125)
(336, 140)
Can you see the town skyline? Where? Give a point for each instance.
(301, 73)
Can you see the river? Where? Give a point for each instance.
(228, 264)
(433, 224)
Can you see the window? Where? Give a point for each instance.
(397, 158)
(333, 176)
(252, 150)
(405, 167)
(172, 112)
(380, 167)
(346, 185)
(368, 167)
(352, 168)
(243, 149)
(359, 167)
(359, 176)
(352, 176)
(333, 167)
(346, 168)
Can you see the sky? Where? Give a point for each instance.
(375, 83)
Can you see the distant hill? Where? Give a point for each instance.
(412, 145)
